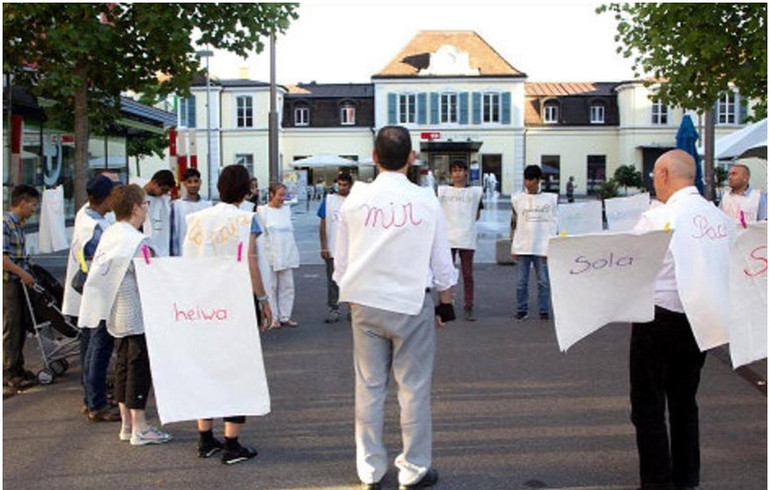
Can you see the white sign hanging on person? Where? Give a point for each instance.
(603, 278)
(624, 212)
(748, 295)
(202, 337)
(579, 218)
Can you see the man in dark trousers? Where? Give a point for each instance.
(392, 250)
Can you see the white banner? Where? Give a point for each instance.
(623, 212)
(52, 235)
(579, 218)
(202, 337)
(748, 295)
(600, 279)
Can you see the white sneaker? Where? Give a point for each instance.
(152, 435)
(125, 433)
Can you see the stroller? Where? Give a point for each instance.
(56, 336)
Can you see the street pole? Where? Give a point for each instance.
(708, 156)
(209, 174)
(274, 175)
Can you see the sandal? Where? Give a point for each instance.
(289, 323)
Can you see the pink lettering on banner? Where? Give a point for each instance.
(199, 314)
(759, 257)
(584, 264)
(704, 229)
(385, 219)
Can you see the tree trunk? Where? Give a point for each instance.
(708, 155)
(81, 139)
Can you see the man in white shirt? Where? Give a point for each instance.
(180, 208)
(328, 211)
(533, 223)
(462, 208)
(743, 203)
(158, 223)
(666, 353)
(392, 249)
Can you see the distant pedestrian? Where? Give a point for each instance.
(283, 254)
(533, 223)
(571, 189)
(158, 223)
(744, 203)
(181, 208)
(392, 250)
(328, 212)
(462, 208)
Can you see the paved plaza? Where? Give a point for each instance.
(510, 410)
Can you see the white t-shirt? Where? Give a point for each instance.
(460, 205)
(535, 223)
(333, 205)
(278, 231)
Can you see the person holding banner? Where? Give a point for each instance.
(743, 203)
(283, 255)
(180, 208)
(328, 212)
(392, 250)
(533, 222)
(112, 294)
(219, 231)
(691, 316)
(462, 208)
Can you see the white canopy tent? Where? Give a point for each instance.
(750, 141)
(323, 160)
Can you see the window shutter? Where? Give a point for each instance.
(463, 107)
(743, 109)
(434, 107)
(506, 110)
(191, 112)
(422, 109)
(392, 108)
(476, 98)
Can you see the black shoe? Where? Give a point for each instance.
(545, 316)
(208, 449)
(237, 455)
(105, 414)
(522, 315)
(428, 480)
(469, 316)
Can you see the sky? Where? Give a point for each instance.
(349, 41)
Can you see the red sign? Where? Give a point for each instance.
(430, 136)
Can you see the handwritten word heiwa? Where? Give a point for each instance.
(197, 314)
(759, 259)
(394, 216)
(704, 229)
(222, 234)
(584, 264)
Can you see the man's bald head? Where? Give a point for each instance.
(673, 170)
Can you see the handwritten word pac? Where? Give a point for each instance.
(585, 264)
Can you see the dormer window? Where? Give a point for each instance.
(301, 116)
(347, 114)
(597, 113)
(551, 112)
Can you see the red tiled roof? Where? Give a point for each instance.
(416, 55)
(555, 89)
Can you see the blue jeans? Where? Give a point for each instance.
(543, 286)
(95, 350)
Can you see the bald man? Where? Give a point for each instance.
(666, 353)
(743, 203)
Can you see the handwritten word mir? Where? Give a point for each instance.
(198, 314)
(584, 264)
(394, 215)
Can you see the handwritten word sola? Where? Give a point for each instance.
(394, 216)
(223, 234)
(704, 229)
(198, 313)
(759, 257)
(584, 264)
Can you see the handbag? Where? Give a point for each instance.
(79, 280)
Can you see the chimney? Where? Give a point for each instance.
(243, 73)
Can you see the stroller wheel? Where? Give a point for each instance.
(45, 376)
(58, 367)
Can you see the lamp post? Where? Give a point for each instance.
(205, 53)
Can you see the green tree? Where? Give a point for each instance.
(700, 51)
(83, 56)
(628, 176)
